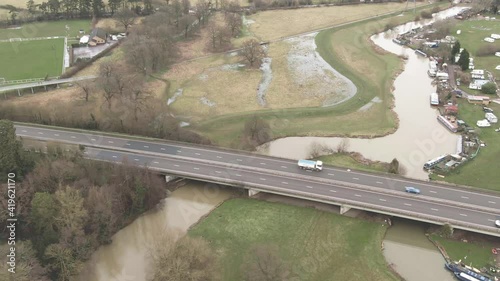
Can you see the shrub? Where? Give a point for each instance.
(489, 88)
(426, 15)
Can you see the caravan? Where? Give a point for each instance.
(434, 99)
(491, 117)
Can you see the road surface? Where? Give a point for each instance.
(45, 83)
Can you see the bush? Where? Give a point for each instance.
(487, 50)
(435, 10)
(417, 18)
(426, 15)
(489, 88)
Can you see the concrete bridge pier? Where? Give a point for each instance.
(169, 178)
(344, 209)
(252, 192)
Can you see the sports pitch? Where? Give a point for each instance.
(31, 59)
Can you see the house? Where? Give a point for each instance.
(97, 37)
(478, 99)
(478, 84)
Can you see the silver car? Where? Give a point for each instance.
(497, 223)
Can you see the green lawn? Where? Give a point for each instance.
(347, 161)
(45, 29)
(316, 245)
(483, 170)
(471, 38)
(333, 45)
(479, 254)
(31, 59)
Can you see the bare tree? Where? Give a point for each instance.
(234, 23)
(253, 52)
(201, 10)
(343, 146)
(185, 6)
(185, 22)
(264, 264)
(125, 17)
(177, 10)
(318, 149)
(87, 88)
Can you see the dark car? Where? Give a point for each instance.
(413, 190)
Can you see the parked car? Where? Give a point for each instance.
(413, 190)
(497, 223)
(487, 109)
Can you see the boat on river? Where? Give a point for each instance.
(466, 273)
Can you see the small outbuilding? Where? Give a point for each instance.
(84, 40)
(98, 36)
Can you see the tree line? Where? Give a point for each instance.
(67, 206)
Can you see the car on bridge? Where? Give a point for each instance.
(413, 190)
(497, 223)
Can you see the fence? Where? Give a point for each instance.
(24, 81)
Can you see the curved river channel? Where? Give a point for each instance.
(418, 139)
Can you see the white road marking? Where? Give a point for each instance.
(463, 215)
(492, 202)
(407, 204)
(379, 182)
(464, 197)
(355, 178)
(136, 159)
(156, 162)
(239, 160)
(383, 200)
(262, 163)
(197, 153)
(432, 191)
(308, 186)
(93, 139)
(178, 151)
(284, 167)
(238, 175)
(40, 133)
(176, 165)
(262, 179)
(146, 146)
(218, 172)
(219, 157)
(114, 156)
(162, 148)
(434, 209)
(127, 144)
(24, 131)
(331, 190)
(73, 137)
(357, 195)
(110, 141)
(331, 174)
(196, 168)
(284, 182)
(56, 135)
(491, 220)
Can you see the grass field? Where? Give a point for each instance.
(31, 59)
(349, 50)
(349, 161)
(477, 253)
(45, 29)
(482, 171)
(471, 38)
(317, 245)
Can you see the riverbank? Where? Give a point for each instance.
(352, 43)
(312, 244)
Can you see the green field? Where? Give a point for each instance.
(45, 29)
(31, 59)
(347, 161)
(483, 170)
(316, 245)
(333, 45)
(477, 253)
(471, 38)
